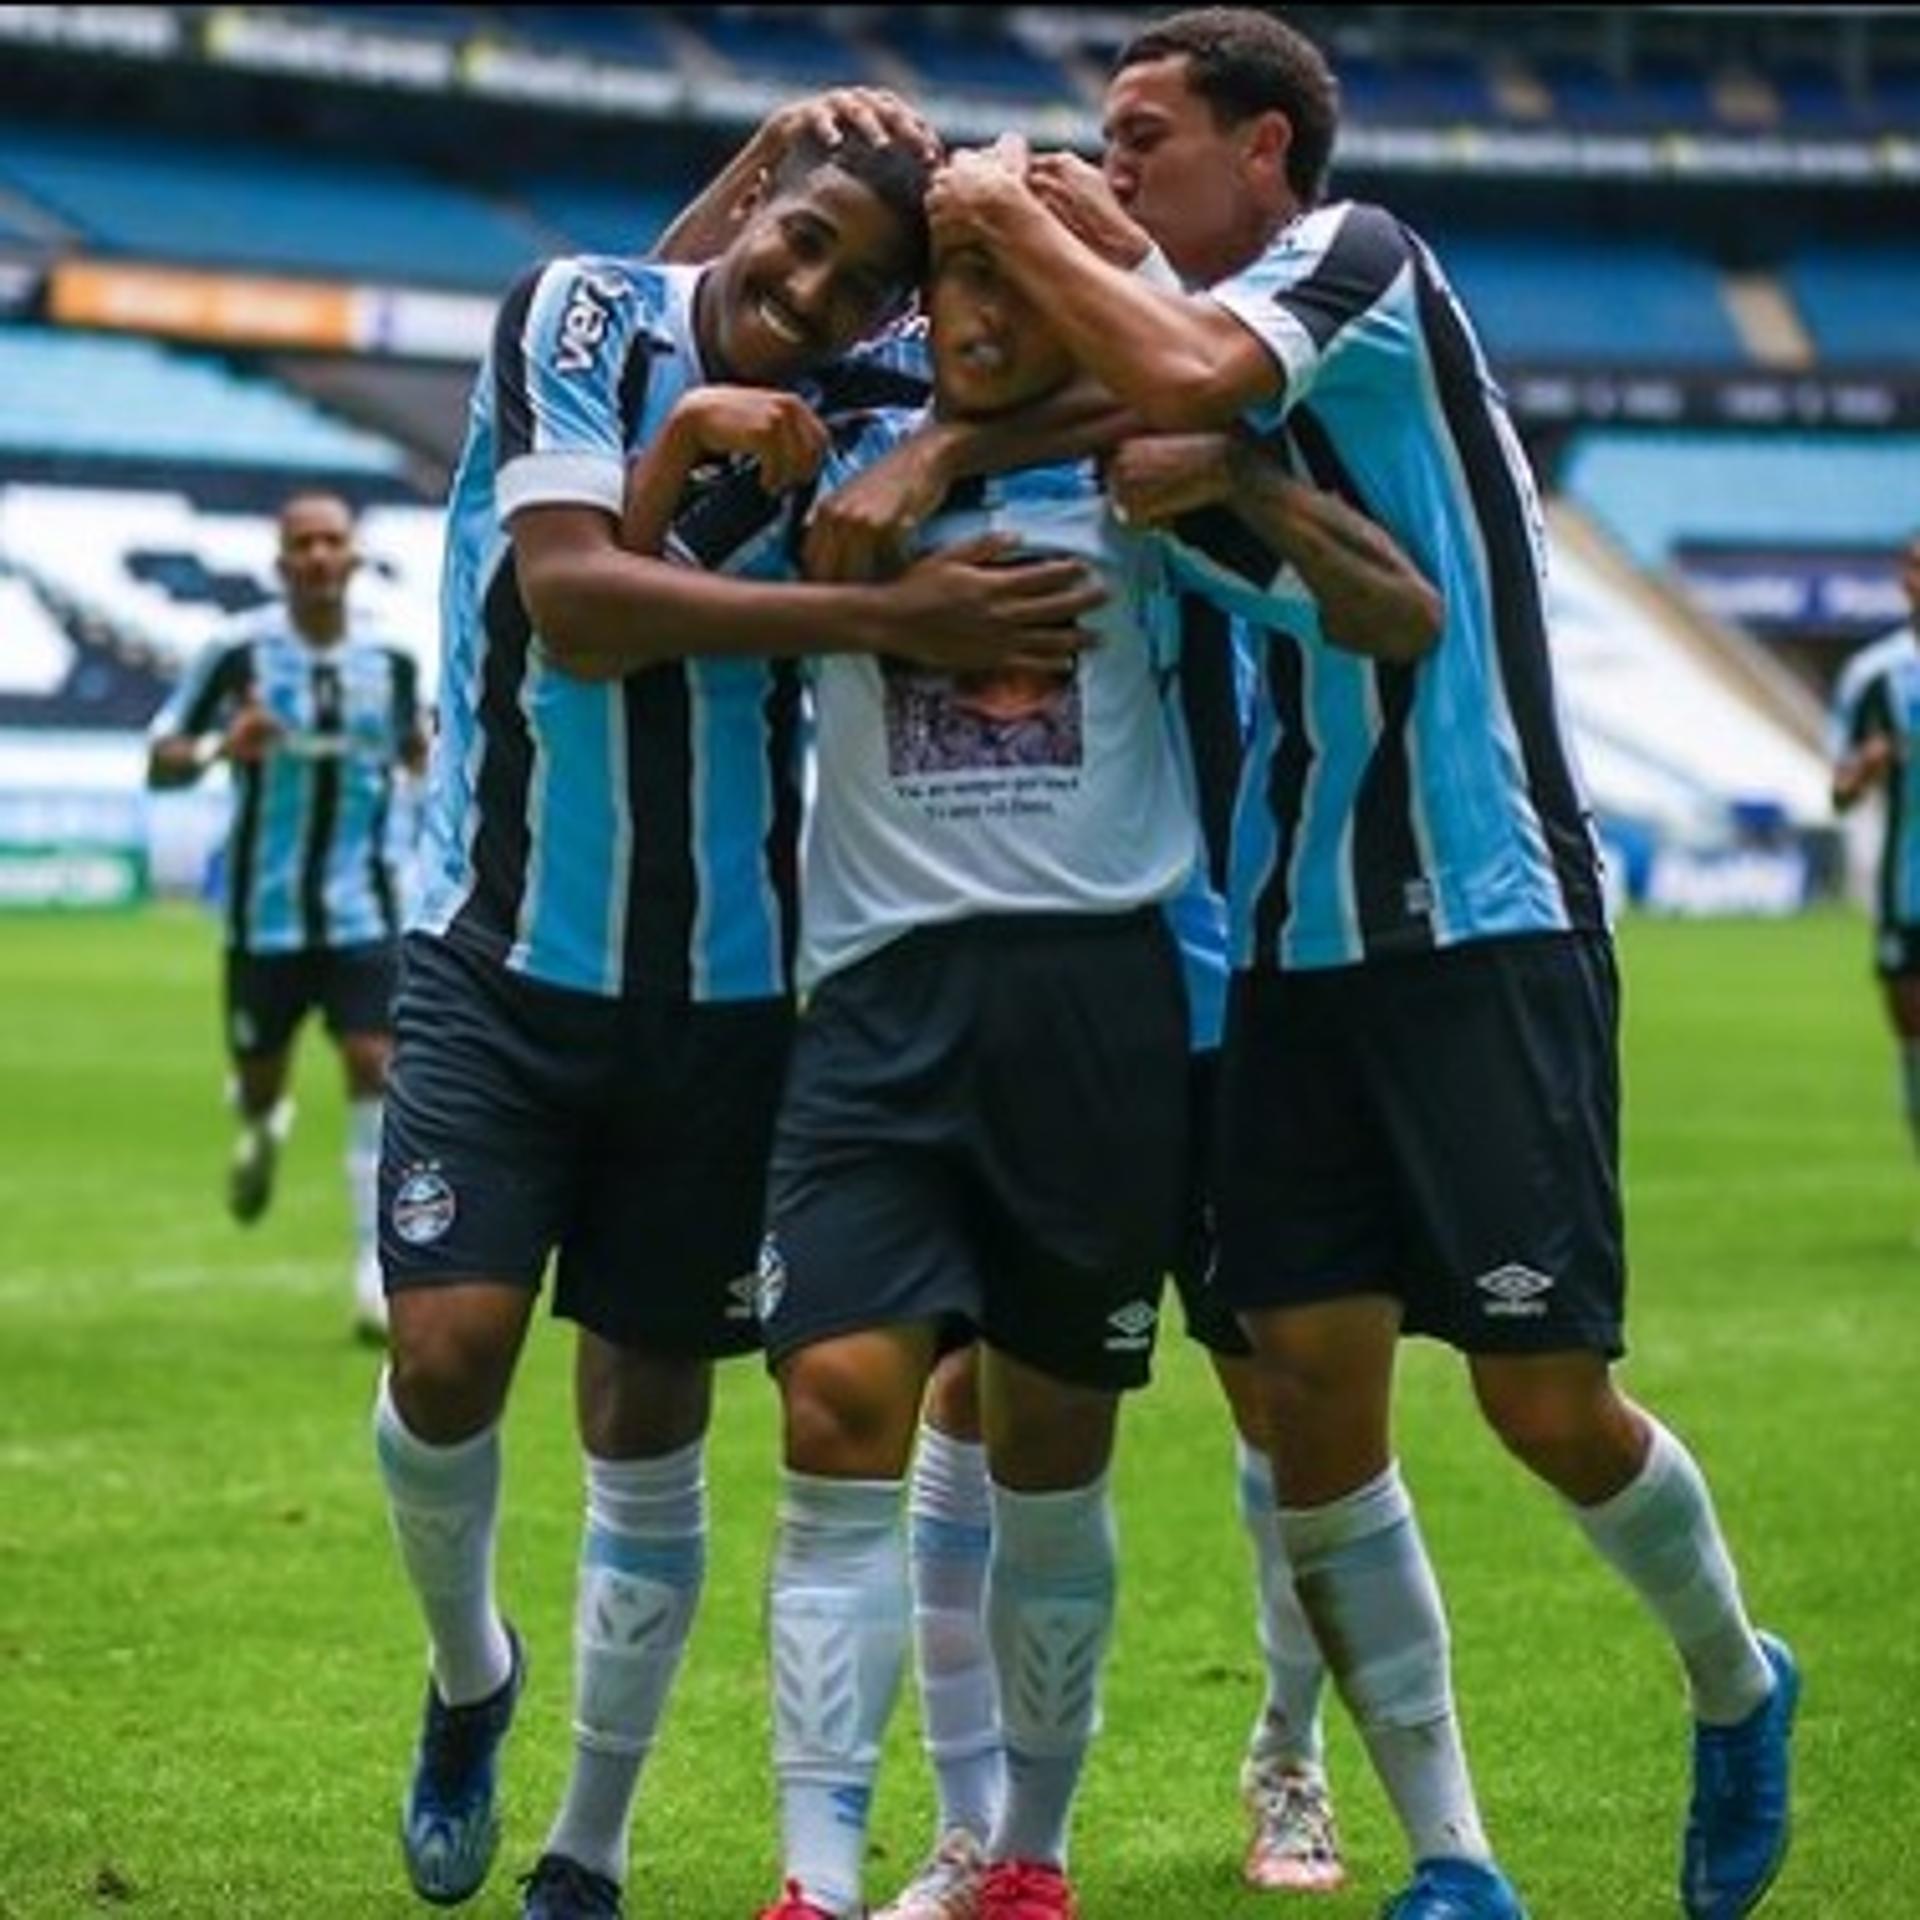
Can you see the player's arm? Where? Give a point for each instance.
(1182, 363)
(703, 228)
(212, 715)
(1871, 750)
(1372, 599)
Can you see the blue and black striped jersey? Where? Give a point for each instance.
(313, 856)
(1878, 694)
(1391, 809)
(635, 836)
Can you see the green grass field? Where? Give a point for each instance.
(209, 1667)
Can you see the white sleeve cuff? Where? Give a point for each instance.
(560, 480)
(1281, 333)
(1157, 271)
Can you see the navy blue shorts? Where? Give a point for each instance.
(269, 994)
(1195, 1267)
(1896, 952)
(1442, 1127)
(985, 1129)
(629, 1137)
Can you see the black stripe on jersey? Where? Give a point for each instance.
(1210, 707)
(1519, 615)
(1365, 256)
(512, 405)
(662, 885)
(863, 385)
(781, 711)
(227, 686)
(501, 845)
(1293, 757)
(722, 514)
(1223, 537)
(325, 810)
(404, 688)
(1387, 869)
(243, 852)
(1873, 715)
(1872, 712)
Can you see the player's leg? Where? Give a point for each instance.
(476, 1182)
(867, 1254)
(1900, 983)
(357, 995)
(265, 999)
(1520, 1073)
(656, 1272)
(1294, 1845)
(949, 1532)
(1309, 1231)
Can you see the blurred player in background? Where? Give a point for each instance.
(315, 715)
(1425, 996)
(1876, 711)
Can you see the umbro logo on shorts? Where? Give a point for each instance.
(742, 1293)
(1130, 1328)
(769, 1280)
(1513, 1292)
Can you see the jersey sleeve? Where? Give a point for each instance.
(562, 341)
(406, 698)
(1313, 291)
(893, 369)
(1862, 712)
(213, 683)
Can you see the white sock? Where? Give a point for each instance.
(950, 1516)
(1660, 1533)
(1289, 1729)
(641, 1566)
(1363, 1577)
(363, 1176)
(1050, 1593)
(444, 1502)
(838, 1618)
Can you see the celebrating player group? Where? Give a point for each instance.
(997, 745)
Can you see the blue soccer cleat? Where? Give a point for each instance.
(1738, 1821)
(1456, 1890)
(451, 1826)
(562, 1889)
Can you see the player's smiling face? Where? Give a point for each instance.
(816, 269)
(992, 350)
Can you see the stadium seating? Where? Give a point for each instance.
(88, 395)
(979, 63)
(64, 669)
(1549, 297)
(1652, 490)
(1860, 303)
(788, 46)
(594, 216)
(262, 206)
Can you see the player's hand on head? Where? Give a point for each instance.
(252, 733)
(1156, 477)
(873, 114)
(974, 606)
(1076, 193)
(778, 431)
(864, 529)
(975, 185)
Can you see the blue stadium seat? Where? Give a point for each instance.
(263, 206)
(977, 63)
(1860, 302)
(1653, 490)
(1548, 298)
(593, 216)
(89, 395)
(785, 47)
(616, 33)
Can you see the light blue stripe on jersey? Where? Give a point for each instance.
(274, 918)
(1198, 917)
(737, 950)
(1342, 725)
(1255, 851)
(575, 886)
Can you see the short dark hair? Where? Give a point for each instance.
(894, 172)
(1243, 61)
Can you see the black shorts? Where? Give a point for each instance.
(985, 1127)
(630, 1136)
(269, 994)
(1444, 1128)
(1209, 1319)
(1896, 952)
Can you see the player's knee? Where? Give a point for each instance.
(448, 1369)
(636, 1406)
(842, 1420)
(1563, 1431)
(363, 1059)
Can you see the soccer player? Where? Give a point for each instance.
(315, 713)
(956, 819)
(1419, 1105)
(594, 1014)
(1875, 709)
